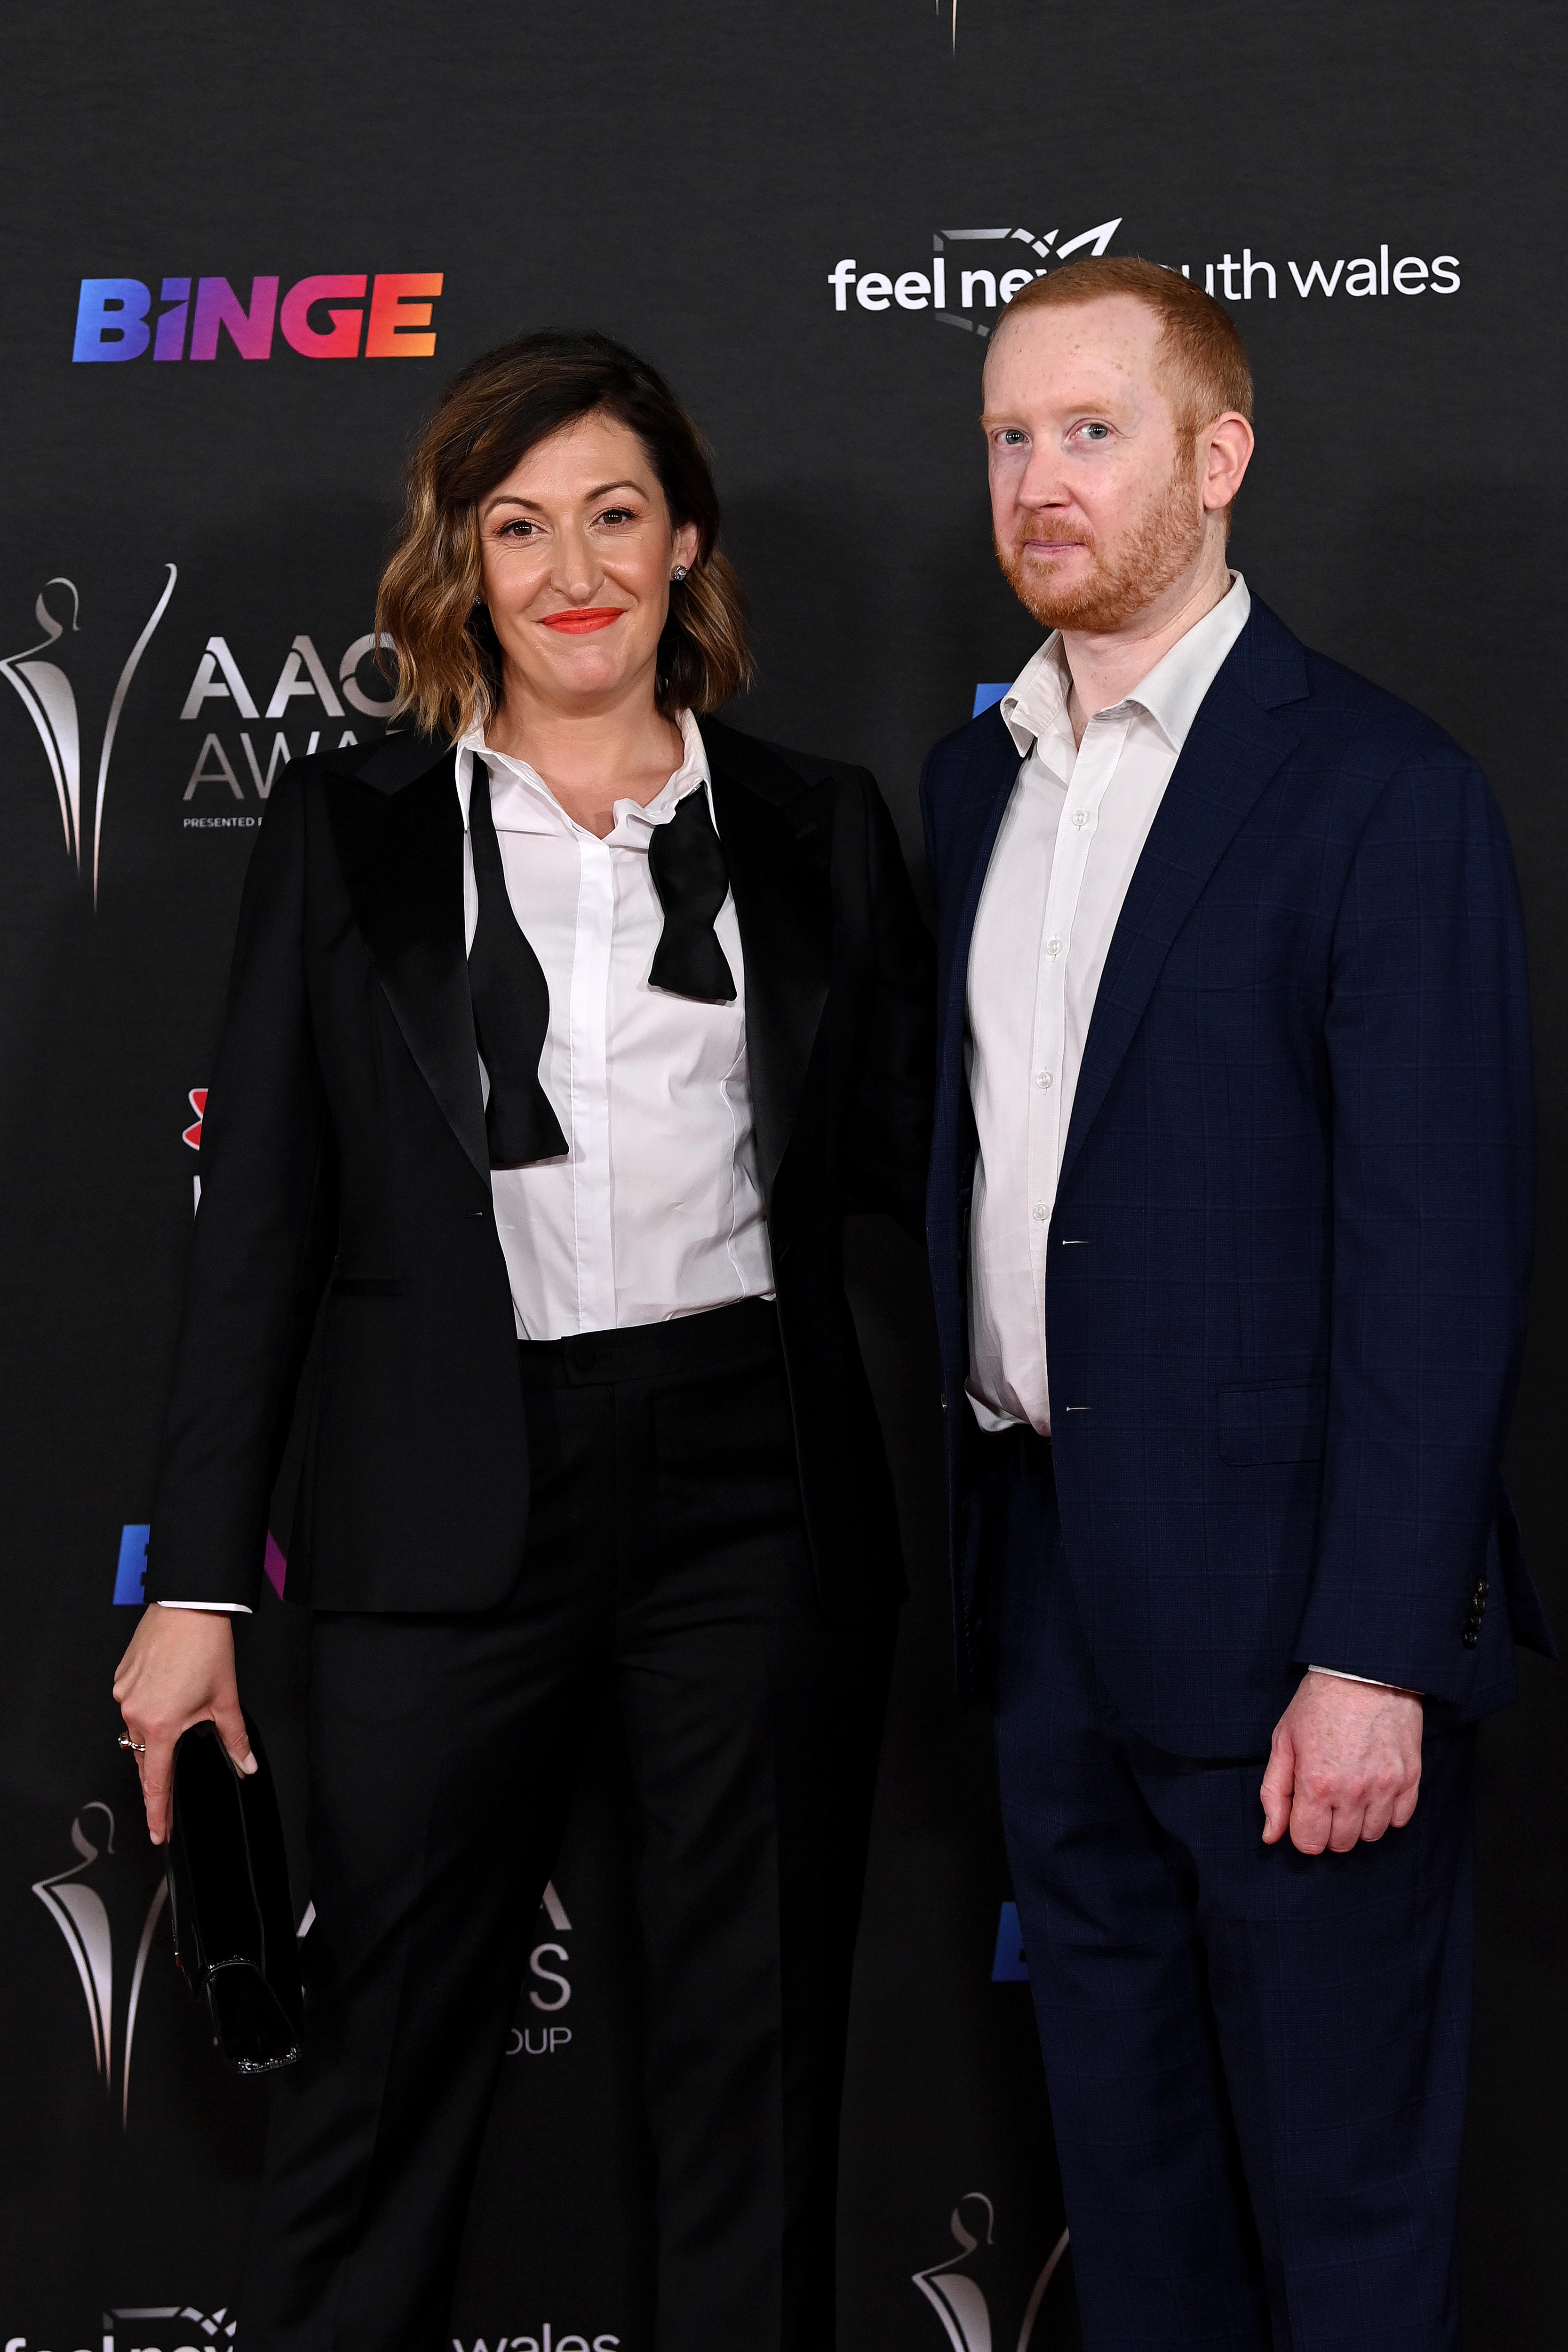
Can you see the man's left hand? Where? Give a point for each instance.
(1345, 1764)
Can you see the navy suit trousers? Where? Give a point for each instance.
(1257, 2058)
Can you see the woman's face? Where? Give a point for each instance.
(578, 548)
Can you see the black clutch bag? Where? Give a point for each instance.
(229, 1901)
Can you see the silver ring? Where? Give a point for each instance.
(138, 1747)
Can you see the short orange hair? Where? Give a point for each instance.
(1199, 344)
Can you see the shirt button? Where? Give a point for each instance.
(1042, 1079)
(1081, 816)
(1053, 947)
(1040, 1213)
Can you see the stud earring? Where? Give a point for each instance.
(678, 572)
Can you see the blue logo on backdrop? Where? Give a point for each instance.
(132, 1573)
(987, 697)
(1010, 1964)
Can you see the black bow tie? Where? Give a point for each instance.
(512, 1005)
(685, 858)
(511, 996)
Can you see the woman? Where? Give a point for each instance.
(565, 1028)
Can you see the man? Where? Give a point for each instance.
(1230, 1222)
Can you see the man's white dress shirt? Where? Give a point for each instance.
(1072, 834)
(656, 1209)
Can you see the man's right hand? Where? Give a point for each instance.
(179, 1670)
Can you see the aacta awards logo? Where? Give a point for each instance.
(40, 677)
(303, 678)
(548, 1962)
(962, 2291)
(98, 1912)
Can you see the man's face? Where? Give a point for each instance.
(1096, 503)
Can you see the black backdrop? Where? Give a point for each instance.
(688, 177)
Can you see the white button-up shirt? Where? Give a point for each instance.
(656, 1209)
(1070, 840)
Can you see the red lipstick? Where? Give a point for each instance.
(582, 618)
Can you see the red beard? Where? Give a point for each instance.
(1120, 582)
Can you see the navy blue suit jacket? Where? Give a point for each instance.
(1287, 1265)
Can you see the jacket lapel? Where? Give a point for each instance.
(1234, 747)
(399, 834)
(778, 859)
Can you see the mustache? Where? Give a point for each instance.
(1058, 534)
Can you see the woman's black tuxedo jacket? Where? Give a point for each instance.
(343, 1144)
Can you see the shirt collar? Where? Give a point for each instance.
(523, 802)
(1035, 706)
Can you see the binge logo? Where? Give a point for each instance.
(323, 318)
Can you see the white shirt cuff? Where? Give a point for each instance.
(1338, 1675)
(216, 1608)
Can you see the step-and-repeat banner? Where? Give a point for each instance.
(242, 251)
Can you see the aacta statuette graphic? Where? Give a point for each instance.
(46, 689)
(79, 1910)
(956, 2288)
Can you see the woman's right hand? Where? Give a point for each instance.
(178, 1670)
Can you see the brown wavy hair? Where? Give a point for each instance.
(502, 404)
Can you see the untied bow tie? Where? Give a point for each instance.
(510, 996)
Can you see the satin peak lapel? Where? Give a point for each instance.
(1234, 749)
(780, 879)
(402, 858)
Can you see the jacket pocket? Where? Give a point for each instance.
(1273, 1421)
